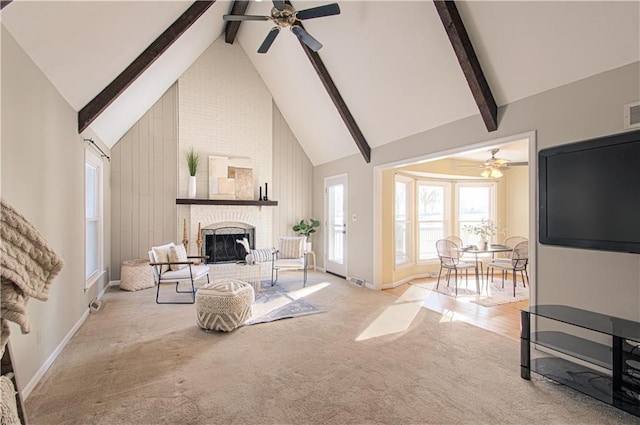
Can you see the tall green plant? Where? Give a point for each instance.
(193, 160)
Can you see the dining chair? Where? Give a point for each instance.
(518, 263)
(509, 242)
(455, 239)
(449, 255)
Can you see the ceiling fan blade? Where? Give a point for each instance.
(317, 12)
(245, 18)
(306, 38)
(268, 41)
(278, 4)
(515, 164)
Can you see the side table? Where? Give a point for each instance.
(249, 273)
(312, 254)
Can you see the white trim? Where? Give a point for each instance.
(410, 228)
(533, 216)
(345, 247)
(54, 355)
(92, 158)
(95, 278)
(406, 280)
(112, 283)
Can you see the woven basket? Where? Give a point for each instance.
(136, 275)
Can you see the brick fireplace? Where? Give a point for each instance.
(220, 241)
(256, 221)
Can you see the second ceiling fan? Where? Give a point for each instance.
(284, 15)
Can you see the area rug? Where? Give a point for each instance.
(275, 303)
(495, 295)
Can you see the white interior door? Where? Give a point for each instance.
(335, 201)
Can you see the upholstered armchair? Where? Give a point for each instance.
(290, 255)
(171, 264)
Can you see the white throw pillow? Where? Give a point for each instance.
(291, 247)
(177, 254)
(161, 253)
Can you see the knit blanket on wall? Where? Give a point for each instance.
(27, 267)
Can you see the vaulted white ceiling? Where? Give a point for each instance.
(391, 60)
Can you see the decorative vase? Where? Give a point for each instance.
(485, 245)
(192, 186)
(309, 247)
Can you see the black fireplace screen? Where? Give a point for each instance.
(220, 244)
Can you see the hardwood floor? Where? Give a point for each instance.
(503, 319)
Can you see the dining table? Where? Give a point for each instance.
(477, 251)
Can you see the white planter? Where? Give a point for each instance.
(309, 247)
(192, 187)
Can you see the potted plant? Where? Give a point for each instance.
(484, 230)
(305, 228)
(193, 160)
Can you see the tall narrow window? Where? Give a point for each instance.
(476, 201)
(433, 216)
(93, 217)
(403, 219)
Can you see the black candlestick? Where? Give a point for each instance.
(260, 198)
(266, 198)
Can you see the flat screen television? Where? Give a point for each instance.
(590, 194)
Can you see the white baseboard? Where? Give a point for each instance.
(111, 283)
(47, 364)
(405, 280)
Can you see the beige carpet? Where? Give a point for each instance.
(370, 358)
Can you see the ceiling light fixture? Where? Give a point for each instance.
(491, 173)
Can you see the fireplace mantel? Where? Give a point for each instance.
(237, 202)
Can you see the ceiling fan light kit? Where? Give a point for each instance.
(285, 16)
(492, 173)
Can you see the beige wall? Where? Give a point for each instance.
(607, 282)
(144, 175)
(43, 178)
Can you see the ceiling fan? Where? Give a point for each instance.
(284, 15)
(492, 166)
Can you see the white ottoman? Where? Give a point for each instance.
(224, 304)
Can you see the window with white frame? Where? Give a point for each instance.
(93, 216)
(434, 216)
(404, 214)
(475, 201)
(437, 213)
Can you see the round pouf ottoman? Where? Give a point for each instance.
(136, 275)
(224, 304)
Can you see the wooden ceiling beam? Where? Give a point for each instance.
(337, 99)
(231, 28)
(469, 63)
(110, 93)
